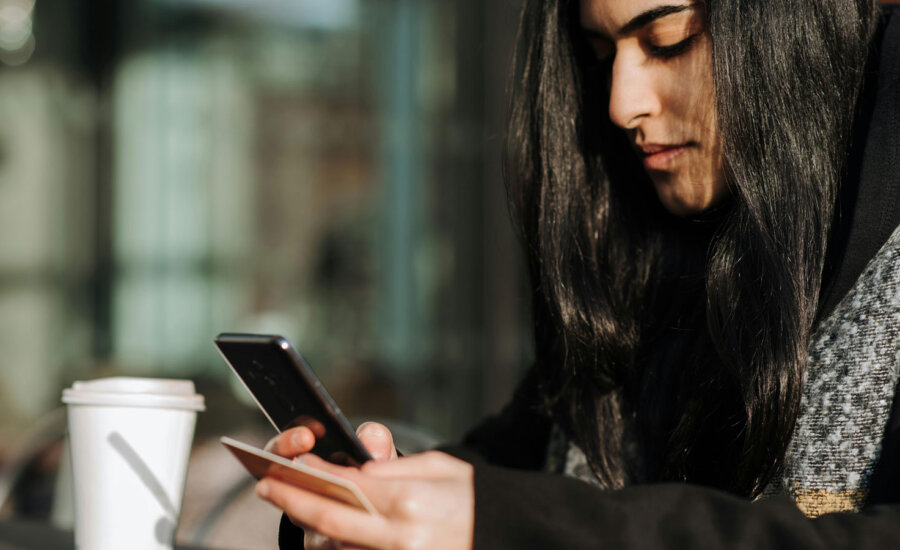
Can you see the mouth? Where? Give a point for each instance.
(657, 156)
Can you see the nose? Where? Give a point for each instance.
(633, 94)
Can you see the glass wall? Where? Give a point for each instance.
(323, 169)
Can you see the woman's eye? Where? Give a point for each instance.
(667, 52)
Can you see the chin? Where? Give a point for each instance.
(685, 207)
(689, 200)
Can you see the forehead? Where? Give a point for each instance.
(608, 16)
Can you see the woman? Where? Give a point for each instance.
(708, 201)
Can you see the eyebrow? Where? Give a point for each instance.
(642, 20)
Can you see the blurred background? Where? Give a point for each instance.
(328, 170)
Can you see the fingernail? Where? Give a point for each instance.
(262, 489)
(295, 439)
(371, 430)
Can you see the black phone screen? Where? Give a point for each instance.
(290, 394)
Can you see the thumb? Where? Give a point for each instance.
(378, 440)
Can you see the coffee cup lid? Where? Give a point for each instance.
(124, 391)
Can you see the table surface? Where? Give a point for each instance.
(33, 535)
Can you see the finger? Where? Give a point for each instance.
(383, 489)
(379, 490)
(327, 516)
(378, 440)
(427, 465)
(293, 442)
(317, 462)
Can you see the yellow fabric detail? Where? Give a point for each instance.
(815, 502)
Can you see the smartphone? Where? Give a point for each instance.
(288, 392)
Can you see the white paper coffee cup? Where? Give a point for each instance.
(130, 440)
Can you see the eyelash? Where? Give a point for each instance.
(604, 65)
(668, 52)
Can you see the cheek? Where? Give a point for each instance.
(699, 114)
(691, 89)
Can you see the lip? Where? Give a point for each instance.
(660, 156)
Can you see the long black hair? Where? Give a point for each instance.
(669, 348)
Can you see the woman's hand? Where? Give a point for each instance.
(296, 442)
(375, 437)
(425, 501)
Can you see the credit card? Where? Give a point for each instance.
(262, 463)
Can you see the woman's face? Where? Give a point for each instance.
(662, 93)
